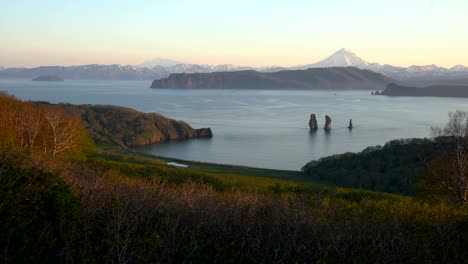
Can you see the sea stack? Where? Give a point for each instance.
(350, 126)
(204, 133)
(313, 123)
(328, 123)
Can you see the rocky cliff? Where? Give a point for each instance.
(336, 78)
(110, 125)
(435, 90)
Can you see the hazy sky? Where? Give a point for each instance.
(243, 32)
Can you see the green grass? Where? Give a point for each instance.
(227, 177)
(142, 158)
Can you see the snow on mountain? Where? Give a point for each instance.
(160, 68)
(459, 68)
(159, 62)
(427, 73)
(426, 68)
(341, 58)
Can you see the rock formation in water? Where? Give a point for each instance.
(313, 123)
(328, 123)
(350, 126)
(204, 133)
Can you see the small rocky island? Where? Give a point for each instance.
(48, 78)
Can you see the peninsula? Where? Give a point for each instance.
(434, 90)
(333, 78)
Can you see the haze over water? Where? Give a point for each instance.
(258, 128)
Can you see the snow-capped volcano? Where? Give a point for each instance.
(427, 73)
(161, 68)
(341, 58)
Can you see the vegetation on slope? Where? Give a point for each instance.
(42, 131)
(115, 125)
(433, 90)
(334, 78)
(122, 207)
(436, 166)
(393, 168)
(116, 211)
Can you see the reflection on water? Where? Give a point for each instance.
(259, 128)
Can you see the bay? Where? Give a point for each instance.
(258, 128)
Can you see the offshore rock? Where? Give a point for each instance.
(313, 123)
(328, 123)
(204, 133)
(350, 126)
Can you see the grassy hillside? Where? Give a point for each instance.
(115, 125)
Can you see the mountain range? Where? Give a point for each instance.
(413, 74)
(161, 68)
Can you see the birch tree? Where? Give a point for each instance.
(448, 174)
(65, 132)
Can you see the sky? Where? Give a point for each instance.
(240, 32)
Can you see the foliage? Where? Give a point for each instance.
(114, 125)
(42, 131)
(446, 176)
(392, 168)
(36, 209)
(120, 212)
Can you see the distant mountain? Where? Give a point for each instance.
(88, 72)
(419, 75)
(335, 78)
(113, 72)
(159, 62)
(161, 68)
(197, 68)
(434, 90)
(341, 58)
(1, 68)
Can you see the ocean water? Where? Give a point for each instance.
(267, 129)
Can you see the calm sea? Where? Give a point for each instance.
(258, 128)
